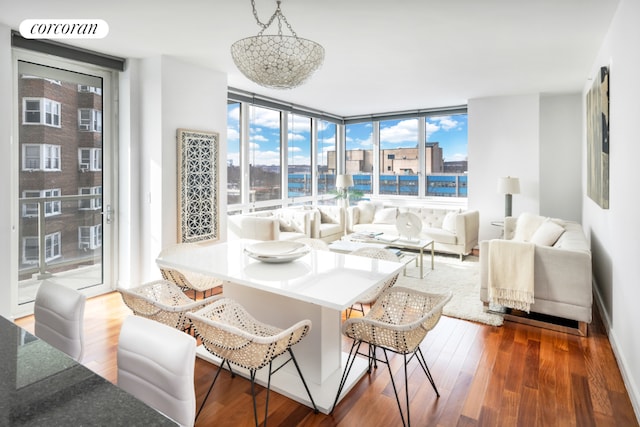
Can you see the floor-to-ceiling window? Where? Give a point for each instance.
(299, 177)
(327, 139)
(399, 157)
(234, 169)
(446, 163)
(414, 155)
(265, 179)
(359, 158)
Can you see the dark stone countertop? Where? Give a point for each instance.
(41, 386)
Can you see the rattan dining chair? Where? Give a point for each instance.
(163, 301)
(313, 243)
(229, 332)
(398, 321)
(58, 314)
(156, 364)
(371, 296)
(189, 281)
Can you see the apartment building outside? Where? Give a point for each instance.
(60, 155)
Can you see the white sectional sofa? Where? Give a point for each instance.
(562, 269)
(453, 231)
(278, 224)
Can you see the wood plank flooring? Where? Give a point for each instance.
(514, 375)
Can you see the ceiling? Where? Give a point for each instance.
(380, 56)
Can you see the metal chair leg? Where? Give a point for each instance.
(350, 359)
(425, 368)
(253, 395)
(393, 384)
(211, 387)
(295, 362)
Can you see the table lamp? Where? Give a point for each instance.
(508, 185)
(343, 182)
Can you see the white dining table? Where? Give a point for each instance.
(318, 286)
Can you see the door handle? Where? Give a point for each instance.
(108, 214)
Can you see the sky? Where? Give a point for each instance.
(450, 131)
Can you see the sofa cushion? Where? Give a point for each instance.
(329, 229)
(367, 211)
(547, 234)
(326, 218)
(287, 224)
(449, 222)
(526, 225)
(385, 216)
(439, 235)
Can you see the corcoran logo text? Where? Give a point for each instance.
(64, 28)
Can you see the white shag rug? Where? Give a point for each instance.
(462, 278)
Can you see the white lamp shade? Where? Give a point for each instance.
(508, 185)
(344, 181)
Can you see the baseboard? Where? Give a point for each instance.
(632, 387)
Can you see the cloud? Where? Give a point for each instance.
(264, 117)
(403, 131)
(260, 138)
(330, 140)
(298, 137)
(444, 123)
(233, 113)
(232, 134)
(299, 124)
(447, 123)
(267, 158)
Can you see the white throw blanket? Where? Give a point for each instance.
(511, 269)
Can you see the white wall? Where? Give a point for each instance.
(615, 232)
(534, 137)
(560, 163)
(164, 94)
(503, 140)
(8, 256)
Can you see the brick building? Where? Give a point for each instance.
(60, 154)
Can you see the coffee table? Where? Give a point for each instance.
(415, 245)
(348, 246)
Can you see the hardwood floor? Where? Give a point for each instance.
(514, 375)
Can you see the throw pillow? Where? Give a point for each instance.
(526, 225)
(385, 216)
(547, 234)
(289, 225)
(449, 222)
(367, 210)
(325, 218)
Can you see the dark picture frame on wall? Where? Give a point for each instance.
(198, 216)
(598, 139)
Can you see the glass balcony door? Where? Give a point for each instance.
(64, 196)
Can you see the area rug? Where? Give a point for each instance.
(460, 277)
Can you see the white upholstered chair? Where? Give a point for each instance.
(372, 295)
(398, 321)
(229, 332)
(59, 318)
(156, 364)
(163, 301)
